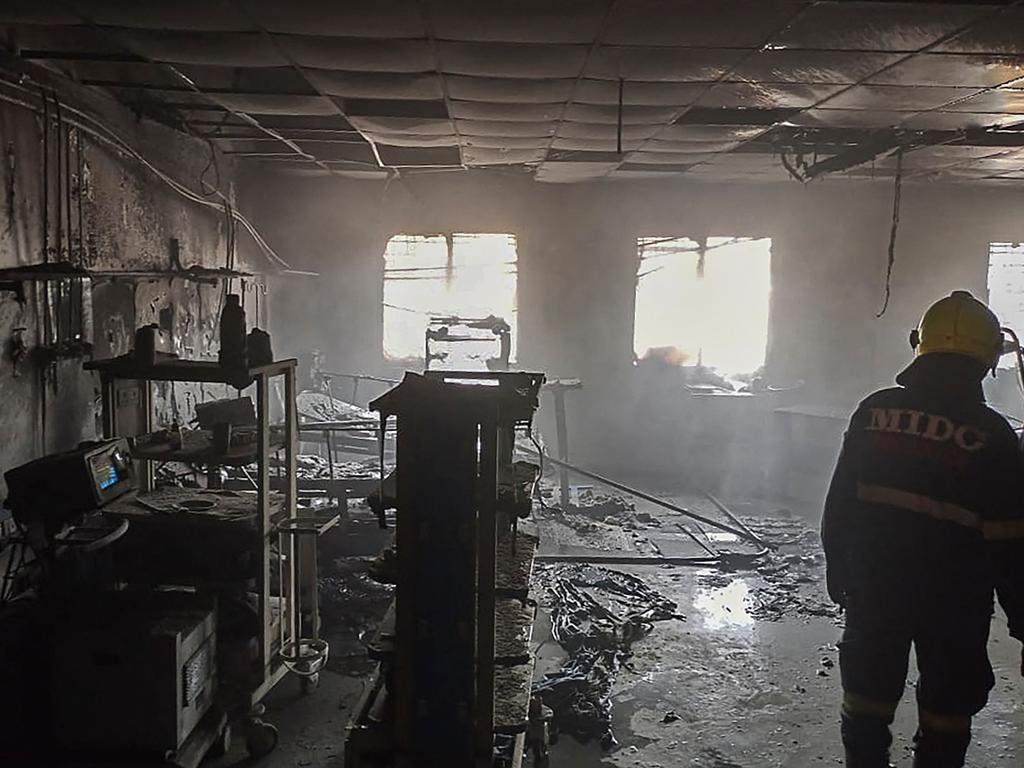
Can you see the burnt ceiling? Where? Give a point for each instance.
(564, 90)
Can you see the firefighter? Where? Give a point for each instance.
(922, 524)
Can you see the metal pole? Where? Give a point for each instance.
(745, 535)
(486, 558)
(562, 431)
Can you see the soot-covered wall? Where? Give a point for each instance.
(577, 250)
(115, 215)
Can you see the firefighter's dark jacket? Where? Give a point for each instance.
(925, 503)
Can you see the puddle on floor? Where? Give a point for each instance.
(723, 607)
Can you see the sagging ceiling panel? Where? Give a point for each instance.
(571, 90)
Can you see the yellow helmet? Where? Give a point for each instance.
(962, 325)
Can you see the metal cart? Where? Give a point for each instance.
(284, 566)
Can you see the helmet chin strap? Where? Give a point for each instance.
(1012, 345)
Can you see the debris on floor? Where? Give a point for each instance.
(351, 606)
(596, 616)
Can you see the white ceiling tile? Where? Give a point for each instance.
(276, 105)
(492, 156)
(419, 126)
(512, 59)
(638, 93)
(505, 142)
(410, 139)
(497, 89)
(503, 128)
(483, 110)
(594, 145)
(567, 172)
(376, 85)
(593, 113)
(661, 64)
(605, 131)
(685, 132)
(522, 21)
(358, 54)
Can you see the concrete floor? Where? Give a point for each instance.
(749, 677)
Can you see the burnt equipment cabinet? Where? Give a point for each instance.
(453, 684)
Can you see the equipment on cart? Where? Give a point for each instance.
(453, 686)
(134, 672)
(463, 330)
(58, 488)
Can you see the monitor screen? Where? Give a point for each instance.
(104, 472)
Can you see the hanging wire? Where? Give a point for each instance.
(896, 193)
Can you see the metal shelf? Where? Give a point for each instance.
(174, 369)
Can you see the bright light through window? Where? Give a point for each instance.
(1006, 288)
(710, 301)
(465, 275)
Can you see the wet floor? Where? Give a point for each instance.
(749, 678)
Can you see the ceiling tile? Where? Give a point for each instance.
(698, 115)
(772, 66)
(1000, 33)
(419, 156)
(953, 70)
(276, 105)
(282, 80)
(607, 132)
(419, 126)
(506, 142)
(524, 21)
(689, 147)
(661, 64)
(512, 59)
(493, 156)
(594, 145)
(405, 139)
(725, 23)
(636, 93)
(393, 19)
(876, 26)
(653, 173)
(229, 49)
(766, 95)
(1005, 100)
(668, 158)
(503, 128)
(897, 98)
(567, 172)
(370, 85)
(512, 90)
(585, 156)
(58, 37)
(35, 12)
(354, 153)
(951, 121)
(711, 132)
(401, 108)
(484, 110)
(592, 113)
(848, 118)
(181, 14)
(357, 54)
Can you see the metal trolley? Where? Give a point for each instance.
(282, 544)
